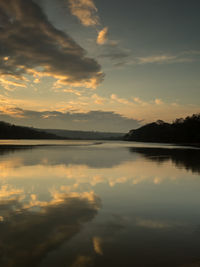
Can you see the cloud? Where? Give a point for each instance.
(31, 45)
(139, 101)
(159, 101)
(92, 112)
(85, 11)
(72, 91)
(156, 59)
(112, 51)
(102, 36)
(120, 100)
(92, 120)
(120, 56)
(12, 112)
(9, 84)
(98, 100)
(182, 57)
(152, 110)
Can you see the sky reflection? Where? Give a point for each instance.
(66, 206)
(28, 235)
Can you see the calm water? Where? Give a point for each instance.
(79, 204)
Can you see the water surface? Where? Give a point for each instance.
(86, 203)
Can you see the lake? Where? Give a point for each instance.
(87, 203)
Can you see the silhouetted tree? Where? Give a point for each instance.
(180, 131)
(10, 131)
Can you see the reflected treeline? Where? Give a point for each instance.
(27, 236)
(9, 149)
(99, 157)
(187, 158)
(91, 156)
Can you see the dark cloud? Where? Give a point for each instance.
(31, 44)
(115, 53)
(94, 120)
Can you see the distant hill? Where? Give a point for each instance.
(85, 135)
(180, 131)
(10, 131)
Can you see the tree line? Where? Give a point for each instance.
(11, 131)
(182, 130)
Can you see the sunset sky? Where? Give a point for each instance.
(105, 65)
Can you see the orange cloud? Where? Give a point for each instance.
(85, 11)
(102, 36)
(98, 100)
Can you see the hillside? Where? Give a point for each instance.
(180, 131)
(10, 131)
(85, 135)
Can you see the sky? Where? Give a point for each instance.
(98, 65)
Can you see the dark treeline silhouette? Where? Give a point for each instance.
(180, 131)
(187, 158)
(10, 131)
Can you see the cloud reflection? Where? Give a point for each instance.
(46, 198)
(155, 224)
(27, 235)
(88, 167)
(97, 242)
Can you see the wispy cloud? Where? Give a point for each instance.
(9, 84)
(181, 57)
(156, 59)
(137, 100)
(152, 110)
(115, 54)
(31, 45)
(120, 100)
(120, 57)
(72, 91)
(98, 100)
